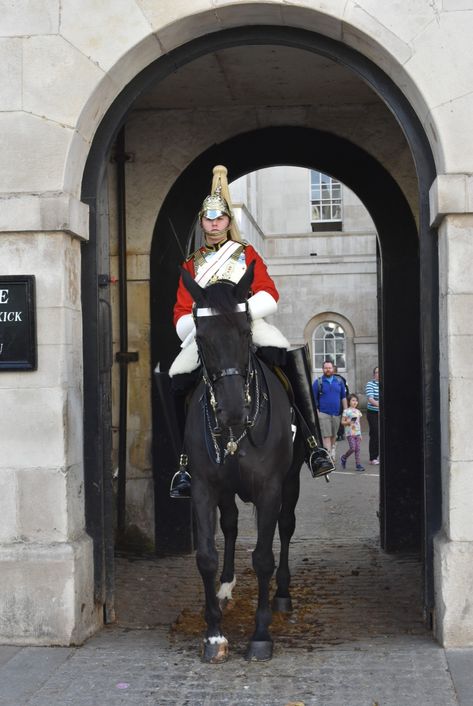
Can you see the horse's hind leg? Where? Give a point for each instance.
(215, 645)
(261, 645)
(229, 525)
(286, 525)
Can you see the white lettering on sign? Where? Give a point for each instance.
(10, 316)
(1, 348)
(3, 296)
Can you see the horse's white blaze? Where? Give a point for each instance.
(216, 640)
(225, 590)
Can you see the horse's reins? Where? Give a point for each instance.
(232, 445)
(209, 380)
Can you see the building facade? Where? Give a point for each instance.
(324, 264)
(112, 115)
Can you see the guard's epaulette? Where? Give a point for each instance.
(191, 256)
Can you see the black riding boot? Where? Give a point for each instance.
(298, 371)
(172, 411)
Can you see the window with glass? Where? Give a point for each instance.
(329, 343)
(325, 202)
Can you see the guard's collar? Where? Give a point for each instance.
(217, 246)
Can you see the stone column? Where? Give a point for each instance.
(46, 560)
(452, 211)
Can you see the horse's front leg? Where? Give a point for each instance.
(229, 526)
(215, 645)
(261, 645)
(286, 525)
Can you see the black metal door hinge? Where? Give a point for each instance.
(128, 357)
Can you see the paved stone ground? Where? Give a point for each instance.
(355, 638)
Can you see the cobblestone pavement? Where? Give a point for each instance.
(355, 638)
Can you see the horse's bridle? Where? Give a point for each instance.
(209, 380)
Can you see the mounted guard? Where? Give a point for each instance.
(225, 257)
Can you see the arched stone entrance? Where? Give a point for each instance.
(410, 491)
(402, 486)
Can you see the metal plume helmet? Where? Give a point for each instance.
(218, 202)
(214, 206)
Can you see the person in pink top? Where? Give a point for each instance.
(351, 421)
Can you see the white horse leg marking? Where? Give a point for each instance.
(225, 590)
(216, 640)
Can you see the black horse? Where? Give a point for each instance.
(239, 441)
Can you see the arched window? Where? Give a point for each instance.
(329, 343)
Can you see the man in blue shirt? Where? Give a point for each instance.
(330, 398)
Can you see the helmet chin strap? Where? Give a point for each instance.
(223, 232)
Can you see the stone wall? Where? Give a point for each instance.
(46, 564)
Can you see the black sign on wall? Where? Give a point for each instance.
(18, 350)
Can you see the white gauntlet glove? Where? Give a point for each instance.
(185, 329)
(261, 304)
(184, 326)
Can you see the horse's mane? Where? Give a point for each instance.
(221, 298)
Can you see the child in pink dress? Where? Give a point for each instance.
(351, 421)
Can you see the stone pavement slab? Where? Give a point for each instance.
(24, 671)
(460, 664)
(355, 638)
(140, 668)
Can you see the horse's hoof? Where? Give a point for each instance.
(215, 650)
(259, 651)
(281, 605)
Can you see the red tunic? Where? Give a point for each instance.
(261, 282)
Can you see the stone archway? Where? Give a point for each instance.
(398, 261)
(402, 485)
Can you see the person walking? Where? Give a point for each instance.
(351, 421)
(341, 430)
(330, 398)
(372, 415)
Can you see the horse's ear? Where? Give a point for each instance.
(195, 290)
(243, 286)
